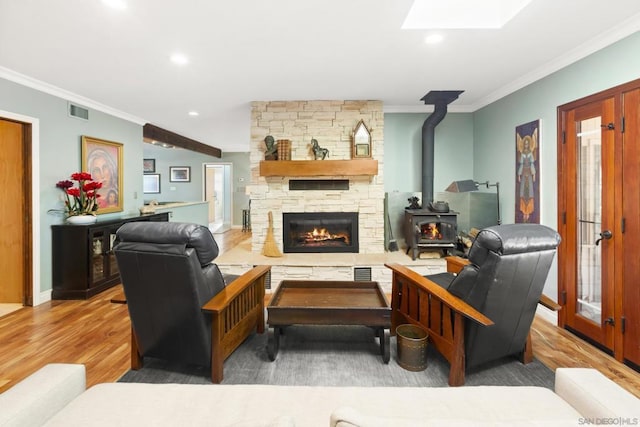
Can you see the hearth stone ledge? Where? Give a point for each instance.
(379, 273)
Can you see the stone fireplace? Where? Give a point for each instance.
(331, 123)
(303, 185)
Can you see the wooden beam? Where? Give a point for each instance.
(318, 167)
(154, 133)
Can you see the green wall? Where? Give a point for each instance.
(481, 145)
(192, 191)
(59, 156)
(453, 151)
(494, 125)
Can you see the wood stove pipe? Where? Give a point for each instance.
(439, 99)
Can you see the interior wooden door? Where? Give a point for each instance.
(599, 220)
(12, 213)
(630, 303)
(587, 262)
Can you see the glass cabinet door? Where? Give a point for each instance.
(98, 270)
(113, 265)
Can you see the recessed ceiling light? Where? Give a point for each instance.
(462, 13)
(115, 4)
(194, 113)
(179, 59)
(433, 38)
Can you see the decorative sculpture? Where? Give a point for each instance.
(271, 152)
(319, 152)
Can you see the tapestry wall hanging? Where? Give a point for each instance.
(528, 172)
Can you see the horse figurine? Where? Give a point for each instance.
(319, 152)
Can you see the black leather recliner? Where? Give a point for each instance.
(482, 308)
(180, 306)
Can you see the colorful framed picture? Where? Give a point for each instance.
(151, 183)
(149, 165)
(103, 160)
(179, 174)
(528, 173)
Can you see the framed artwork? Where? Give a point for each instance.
(151, 183)
(179, 174)
(149, 165)
(103, 160)
(528, 172)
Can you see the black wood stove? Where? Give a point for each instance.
(425, 230)
(433, 226)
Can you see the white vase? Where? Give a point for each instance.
(82, 219)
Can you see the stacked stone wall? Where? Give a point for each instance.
(331, 123)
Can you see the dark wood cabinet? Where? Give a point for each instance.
(83, 262)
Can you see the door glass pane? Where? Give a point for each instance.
(589, 290)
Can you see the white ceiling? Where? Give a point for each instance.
(258, 50)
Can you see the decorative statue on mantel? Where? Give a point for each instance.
(319, 152)
(271, 153)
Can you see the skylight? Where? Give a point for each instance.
(115, 4)
(459, 14)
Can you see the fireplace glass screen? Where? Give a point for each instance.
(320, 232)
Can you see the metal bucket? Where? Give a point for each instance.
(412, 347)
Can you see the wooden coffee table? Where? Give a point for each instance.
(311, 302)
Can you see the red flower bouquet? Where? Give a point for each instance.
(83, 199)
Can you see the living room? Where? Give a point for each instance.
(470, 143)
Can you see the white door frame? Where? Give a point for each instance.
(227, 193)
(38, 297)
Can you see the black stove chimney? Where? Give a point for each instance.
(439, 99)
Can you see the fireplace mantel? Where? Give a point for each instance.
(318, 167)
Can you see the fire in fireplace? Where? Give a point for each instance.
(315, 232)
(426, 230)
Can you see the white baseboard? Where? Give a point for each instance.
(550, 316)
(43, 297)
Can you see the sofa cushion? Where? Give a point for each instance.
(594, 395)
(41, 395)
(137, 404)
(346, 416)
(281, 421)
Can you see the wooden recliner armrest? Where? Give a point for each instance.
(549, 303)
(418, 300)
(443, 295)
(235, 312)
(456, 263)
(221, 300)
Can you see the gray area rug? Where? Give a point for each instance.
(336, 356)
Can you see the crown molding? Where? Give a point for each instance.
(41, 86)
(424, 109)
(624, 29)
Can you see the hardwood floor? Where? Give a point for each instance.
(95, 332)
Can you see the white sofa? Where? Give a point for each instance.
(56, 396)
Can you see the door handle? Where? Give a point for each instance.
(606, 234)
